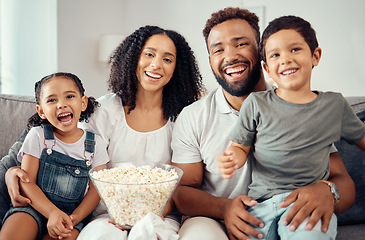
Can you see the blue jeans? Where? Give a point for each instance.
(272, 216)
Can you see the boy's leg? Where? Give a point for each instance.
(19, 225)
(301, 233)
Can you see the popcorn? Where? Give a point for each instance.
(130, 193)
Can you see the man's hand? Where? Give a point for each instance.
(315, 201)
(237, 218)
(12, 177)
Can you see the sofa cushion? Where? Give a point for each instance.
(354, 160)
(7, 162)
(15, 111)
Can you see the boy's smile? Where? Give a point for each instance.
(290, 61)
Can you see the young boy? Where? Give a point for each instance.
(291, 129)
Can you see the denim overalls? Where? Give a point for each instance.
(62, 179)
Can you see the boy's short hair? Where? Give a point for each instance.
(298, 24)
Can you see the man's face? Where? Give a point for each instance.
(233, 56)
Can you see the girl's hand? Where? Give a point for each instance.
(227, 164)
(59, 225)
(12, 177)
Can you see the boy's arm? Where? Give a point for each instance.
(241, 153)
(89, 202)
(232, 159)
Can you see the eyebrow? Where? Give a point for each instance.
(232, 40)
(154, 49)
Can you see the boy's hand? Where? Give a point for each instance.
(227, 164)
(59, 225)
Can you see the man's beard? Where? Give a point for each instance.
(244, 86)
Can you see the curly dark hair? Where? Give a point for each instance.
(298, 24)
(36, 120)
(232, 13)
(185, 86)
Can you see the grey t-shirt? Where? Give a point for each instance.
(292, 142)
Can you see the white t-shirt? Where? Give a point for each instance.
(201, 132)
(123, 143)
(34, 144)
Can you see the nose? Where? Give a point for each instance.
(61, 104)
(230, 54)
(285, 58)
(156, 63)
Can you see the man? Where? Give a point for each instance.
(201, 132)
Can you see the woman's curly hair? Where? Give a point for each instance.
(36, 120)
(185, 86)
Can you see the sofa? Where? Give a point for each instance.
(15, 111)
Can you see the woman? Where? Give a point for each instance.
(153, 76)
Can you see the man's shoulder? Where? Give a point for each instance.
(203, 104)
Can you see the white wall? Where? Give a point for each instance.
(338, 24)
(28, 43)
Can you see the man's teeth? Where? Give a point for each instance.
(287, 72)
(150, 74)
(235, 70)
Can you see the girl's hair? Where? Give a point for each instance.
(298, 24)
(231, 13)
(36, 120)
(184, 87)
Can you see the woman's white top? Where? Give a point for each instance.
(123, 143)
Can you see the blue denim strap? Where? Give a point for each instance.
(90, 142)
(48, 131)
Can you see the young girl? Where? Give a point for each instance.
(57, 156)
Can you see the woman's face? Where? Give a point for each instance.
(156, 63)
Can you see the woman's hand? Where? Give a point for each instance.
(12, 177)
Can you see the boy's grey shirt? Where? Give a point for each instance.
(292, 142)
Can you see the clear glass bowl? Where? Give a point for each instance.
(129, 203)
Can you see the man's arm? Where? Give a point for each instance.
(317, 200)
(192, 201)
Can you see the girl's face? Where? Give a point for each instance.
(61, 104)
(156, 63)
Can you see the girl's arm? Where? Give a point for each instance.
(40, 202)
(89, 202)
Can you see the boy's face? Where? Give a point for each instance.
(289, 60)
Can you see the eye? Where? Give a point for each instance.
(242, 44)
(275, 55)
(70, 96)
(51, 100)
(148, 54)
(168, 60)
(295, 49)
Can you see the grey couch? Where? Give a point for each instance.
(15, 111)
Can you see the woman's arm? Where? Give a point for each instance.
(12, 178)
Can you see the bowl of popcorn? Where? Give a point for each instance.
(132, 190)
